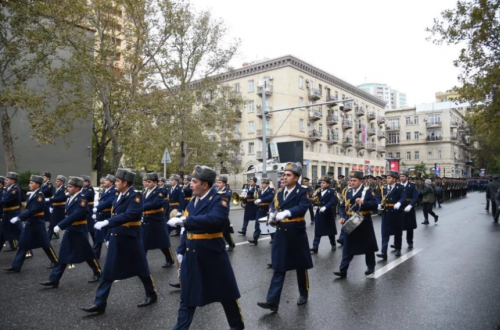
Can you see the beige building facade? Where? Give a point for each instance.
(430, 134)
(347, 136)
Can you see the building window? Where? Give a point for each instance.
(408, 135)
(439, 154)
(336, 150)
(251, 148)
(390, 154)
(320, 148)
(415, 120)
(408, 121)
(434, 118)
(301, 82)
(301, 125)
(301, 102)
(417, 155)
(251, 128)
(393, 123)
(314, 174)
(416, 135)
(237, 87)
(398, 155)
(250, 86)
(393, 138)
(251, 106)
(429, 154)
(323, 170)
(408, 155)
(320, 128)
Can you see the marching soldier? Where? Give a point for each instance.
(48, 192)
(221, 185)
(164, 190)
(408, 207)
(290, 250)
(250, 207)
(393, 197)
(58, 204)
(89, 193)
(102, 211)
(154, 226)
(266, 195)
(206, 273)
(75, 247)
(310, 191)
(324, 220)
(126, 257)
(188, 193)
(362, 240)
(11, 207)
(175, 198)
(33, 235)
(491, 191)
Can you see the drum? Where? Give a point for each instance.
(352, 223)
(266, 229)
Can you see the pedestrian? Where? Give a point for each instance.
(324, 220)
(428, 200)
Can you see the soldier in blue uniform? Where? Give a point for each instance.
(154, 226)
(362, 240)
(221, 185)
(290, 249)
(48, 192)
(266, 195)
(126, 257)
(164, 190)
(175, 197)
(206, 273)
(409, 214)
(391, 201)
(188, 193)
(250, 207)
(324, 220)
(34, 234)
(89, 193)
(58, 204)
(75, 247)
(102, 211)
(10, 203)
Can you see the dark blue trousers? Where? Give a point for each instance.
(347, 258)
(274, 293)
(317, 239)
(398, 241)
(409, 236)
(97, 250)
(18, 261)
(169, 257)
(231, 308)
(101, 296)
(58, 271)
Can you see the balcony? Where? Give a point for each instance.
(359, 145)
(381, 135)
(268, 115)
(332, 120)
(331, 98)
(360, 111)
(454, 124)
(372, 131)
(347, 142)
(381, 149)
(315, 114)
(359, 128)
(393, 128)
(269, 134)
(346, 107)
(371, 146)
(372, 116)
(315, 135)
(314, 94)
(433, 124)
(380, 120)
(347, 124)
(434, 138)
(260, 155)
(462, 128)
(238, 116)
(455, 139)
(333, 139)
(268, 89)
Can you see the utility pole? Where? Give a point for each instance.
(264, 130)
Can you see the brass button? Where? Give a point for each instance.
(285, 229)
(194, 251)
(187, 249)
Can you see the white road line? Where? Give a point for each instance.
(394, 264)
(247, 242)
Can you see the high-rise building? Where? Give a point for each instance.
(393, 98)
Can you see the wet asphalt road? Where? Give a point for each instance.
(449, 281)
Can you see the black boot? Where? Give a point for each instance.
(148, 301)
(267, 305)
(94, 309)
(53, 284)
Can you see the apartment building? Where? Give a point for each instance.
(394, 99)
(334, 138)
(430, 134)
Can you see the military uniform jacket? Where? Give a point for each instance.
(126, 257)
(104, 212)
(11, 206)
(206, 273)
(362, 240)
(324, 222)
(250, 207)
(2, 191)
(154, 226)
(34, 234)
(392, 220)
(226, 196)
(175, 197)
(412, 195)
(188, 195)
(58, 202)
(290, 248)
(266, 196)
(47, 189)
(75, 246)
(89, 194)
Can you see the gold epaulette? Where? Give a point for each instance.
(304, 186)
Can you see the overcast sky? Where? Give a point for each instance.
(359, 41)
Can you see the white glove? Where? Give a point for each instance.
(315, 208)
(107, 243)
(257, 201)
(14, 220)
(182, 230)
(397, 206)
(174, 222)
(94, 216)
(179, 258)
(101, 224)
(67, 194)
(57, 229)
(51, 209)
(380, 208)
(408, 208)
(47, 199)
(282, 215)
(94, 210)
(323, 209)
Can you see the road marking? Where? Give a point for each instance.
(247, 242)
(394, 264)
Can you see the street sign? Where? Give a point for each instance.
(306, 163)
(166, 157)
